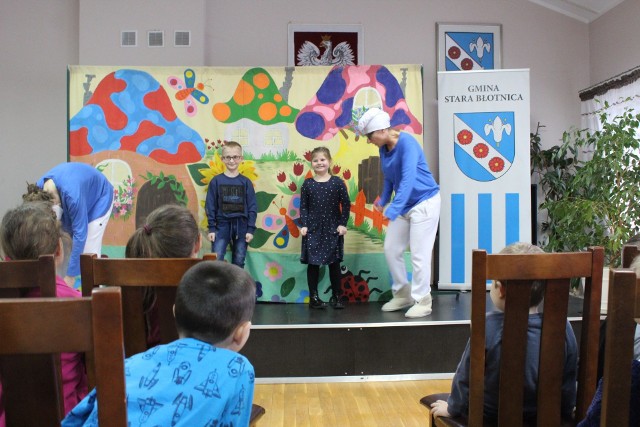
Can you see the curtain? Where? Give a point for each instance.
(620, 92)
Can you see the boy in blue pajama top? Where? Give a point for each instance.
(199, 379)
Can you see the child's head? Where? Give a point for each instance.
(214, 303)
(321, 151)
(321, 160)
(30, 230)
(498, 288)
(170, 231)
(232, 155)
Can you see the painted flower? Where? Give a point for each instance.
(259, 292)
(293, 186)
(496, 164)
(216, 167)
(298, 168)
(307, 156)
(281, 176)
(346, 174)
(466, 64)
(273, 270)
(454, 52)
(276, 298)
(336, 169)
(481, 150)
(465, 137)
(303, 297)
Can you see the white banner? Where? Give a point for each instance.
(485, 180)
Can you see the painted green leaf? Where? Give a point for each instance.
(287, 287)
(260, 236)
(194, 171)
(263, 200)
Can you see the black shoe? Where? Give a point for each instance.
(316, 302)
(336, 302)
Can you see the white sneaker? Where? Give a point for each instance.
(421, 308)
(401, 299)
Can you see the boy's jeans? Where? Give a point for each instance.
(234, 233)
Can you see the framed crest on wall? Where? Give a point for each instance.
(317, 44)
(464, 47)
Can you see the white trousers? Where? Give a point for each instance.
(95, 232)
(415, 230)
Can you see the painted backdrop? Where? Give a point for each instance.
(156, 133)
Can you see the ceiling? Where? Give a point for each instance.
(582, 10)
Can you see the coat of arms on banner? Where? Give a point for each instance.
(469, 51)
(484, 144)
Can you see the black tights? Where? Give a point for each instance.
(313, 272)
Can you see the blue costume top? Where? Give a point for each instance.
(459, 398)
(85, 195)
(229, 199)
(407, 174)
(185, 383)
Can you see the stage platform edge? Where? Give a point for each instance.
(291, 343)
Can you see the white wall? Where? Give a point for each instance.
(39, 38)
(614, 41)
(254, 33)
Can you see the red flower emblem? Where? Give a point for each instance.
(346, 174)
(293, 186)
(466, 64)
(336, 170)
(481, 150)
(496, 164)
(307, 156)
(281, 176)
(465, 137)
(454, 52)
(298, 168)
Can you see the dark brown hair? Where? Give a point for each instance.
(36, 194)
(170, 231)
(213, 298)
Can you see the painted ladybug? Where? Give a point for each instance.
(354, 287)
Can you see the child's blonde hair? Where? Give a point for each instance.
(321, 150)
(231, 144)
(537, 287)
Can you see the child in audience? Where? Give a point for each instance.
(324, 212)
(595, 409)
(170, 231)
(199, 379)
(458, 402)
(26, 232)
(231, 208)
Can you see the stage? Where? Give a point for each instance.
(292, 343)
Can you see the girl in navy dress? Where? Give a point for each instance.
(324, 212)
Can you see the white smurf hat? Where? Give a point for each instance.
(373, 119)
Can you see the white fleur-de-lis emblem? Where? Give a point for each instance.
(497, 127)
(480, 46)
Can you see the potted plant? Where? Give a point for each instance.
(591, 199)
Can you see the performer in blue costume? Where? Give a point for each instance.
(82, 198)
(199, 379)
(413, 213)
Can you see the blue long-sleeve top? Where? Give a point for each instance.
(407, 174)
(230, 198)
(85, 195)
(458, 401)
